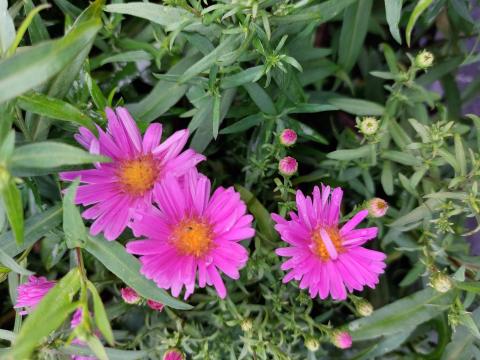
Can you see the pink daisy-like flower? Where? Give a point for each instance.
(32, 292)
(288, 137)
(118, 188)
(173, 354)
(192, 232)
(325, 257)
(129, 295)
(155, 305)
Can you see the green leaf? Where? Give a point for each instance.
(406, 313)
(216, 115)
(12, 201)
(243, 124)
(470, 286)
(350, 154)
(73, 227)
(393, 11)
(320, 13)
(33, 66)
(7, 28)
(421, 6)
(126, 267)
(55, 306)
(36, 227)
(12, 264)
(357, 106)
(128, 56)
(387, 178)
(41, 155)
(354, 29)
(250, 75)
(460, 155)
(37, 30)
(421, 212)
(262, 216)
(97, 347)
(260, 97)
(44, 105)
(401, 157)
(460, 348)
(100, 315)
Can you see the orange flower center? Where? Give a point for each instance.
(138, 176)
(319, 247)
(192, 237)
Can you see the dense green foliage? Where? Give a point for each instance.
(237, 73)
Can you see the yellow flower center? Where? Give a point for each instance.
(138, 176)
(192, 237)
(319, 247)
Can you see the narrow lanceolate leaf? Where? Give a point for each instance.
(421, 6)
(33, 66)
(12, 264)
(57, 109)
(350, 154)
(127, 267)
(12, 202)
(75, 232)
(100, 314)
(250, 75)
(49, 154)
(408, 312)
(357, 106)
(55, 306)
(393, 10)
(36, 227)
(354, 29)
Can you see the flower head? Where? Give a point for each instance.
(312, 344)
(441, 282)
(173, 354)
(288, 137)
(32, 292)
(129, 295)
(377, 207)
(192, 232)
(368, 125)
(155, 305)
(138, 165)
(288, 166)
(324, 256)
(424, 59)
(246, 325)
(341, 339)
(364, 308)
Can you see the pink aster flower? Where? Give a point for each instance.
(138, 165)
(287, 166)
(129, 295)
(341, 339)
(288, 137)
(155, 305)
(32, 292)
(173, 354)
(192, 232)
(325, 257)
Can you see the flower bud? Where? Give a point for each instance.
(368, 125)
(288, 137)
(129, 295)
(377, 207)
(440, 282)
(173, 354)
(154, 305)
(364, 308)
(424, 59)
(341, 339)
(312, 344)
(246, 325)
(288, 166)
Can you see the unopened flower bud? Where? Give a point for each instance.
(368, 125)
(154, 305)
(312, 344)
(129, 295)
(246, 325)
(288, 137)
(377, 207)
(424, 59)
(173, 354)
(288, 166)
(341, 339)
(441, 282)
(364, 308)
